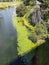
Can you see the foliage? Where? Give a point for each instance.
(40, 32)
(37, 35)
(40, 29)
(21, 10)
(47, 26)
(46, 2)
(46, 16)
(29, 2)
(33, 37)
(26, 47)
(7, 0)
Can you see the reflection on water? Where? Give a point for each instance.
(7, 36)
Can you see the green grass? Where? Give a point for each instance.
(4, 5)
(25, 45)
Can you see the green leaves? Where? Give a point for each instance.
(40, 32)
(46, 2)
(29, 2)
(21, 10)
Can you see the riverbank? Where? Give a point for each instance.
(26, 48)
(4, 5)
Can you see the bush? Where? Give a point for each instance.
(33, 36)
(40, 32)
(46, 16)
(47, 25)
(29, 2)
(40, 29)
(21, 10)
(46, 2)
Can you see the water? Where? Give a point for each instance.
(8, 42)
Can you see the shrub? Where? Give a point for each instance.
(46, 2)
(40, 32)
(47, 25)
(46, 15)
(33, 36)
(29, 2)
(21, 10)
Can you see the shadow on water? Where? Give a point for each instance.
(25, 59)
(17, 62)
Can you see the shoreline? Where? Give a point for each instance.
(4, 5)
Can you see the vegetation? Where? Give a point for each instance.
(31, 38)
(25, 45)
(4, 5)
(46, 2)
(40, 32)
(34, 36)
(29, 2)
(21, 10)
(23, 33)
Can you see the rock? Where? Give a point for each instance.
(36, 16)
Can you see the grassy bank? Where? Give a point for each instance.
(24, 43)
(25, 46)
(4, 5)
(22, 26)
